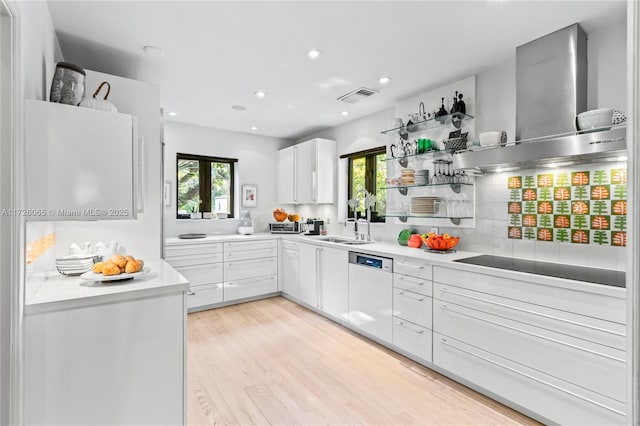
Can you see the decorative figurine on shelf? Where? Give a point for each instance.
(441, 113)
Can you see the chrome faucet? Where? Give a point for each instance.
(369, 202)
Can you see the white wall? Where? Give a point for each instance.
(495, 110)
(36, 59)
(256, 164)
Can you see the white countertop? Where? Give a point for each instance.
(53, 291)
(221, 238)
(393, 249)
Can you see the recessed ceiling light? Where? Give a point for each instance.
(254, 128)
(239, 108)
(622, 158)
(384, 80)
(153, 51)
(313, 53)
(344, 113)
(552, 165)
(172, 113)
(260, 94)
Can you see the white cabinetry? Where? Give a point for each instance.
(113, 363)
(322, 277)
(412, 307)
(334, 282)
(250, 269)
(289, 271)
(559, 352)
(309, 285)
(201, 265)
(82, 164)
(306, 173)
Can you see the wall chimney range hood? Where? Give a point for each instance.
(551, 89)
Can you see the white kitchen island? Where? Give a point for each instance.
(105, 353)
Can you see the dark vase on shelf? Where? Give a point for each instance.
(441, 113)
(462, 107)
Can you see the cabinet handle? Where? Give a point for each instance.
(411, 281)
(539, 336)
(191, 293)
(411, 266)
(515, 308)
(314, 182)
(295, 173)
(402, 324)
(402, 293)
(513, 370)
(319, 276)
(244, 262)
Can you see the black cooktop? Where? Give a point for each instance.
(578, 273)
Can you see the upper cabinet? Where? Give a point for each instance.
(81, 163)
(306, 173)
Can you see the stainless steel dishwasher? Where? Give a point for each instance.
(371, 294)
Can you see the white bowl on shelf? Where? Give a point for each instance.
(594, 119)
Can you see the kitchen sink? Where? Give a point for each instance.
(347, 241)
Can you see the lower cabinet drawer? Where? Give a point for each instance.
(413, 307)
(412, 338)
(417, 285)
(204, 295)
(240, 289)
(194, 260)
(239, 270)
(592, 366)
(412, 267)
(548, 396)
(202, 274)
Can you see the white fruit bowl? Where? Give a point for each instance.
(594, 119)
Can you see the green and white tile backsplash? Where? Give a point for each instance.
(586, 206)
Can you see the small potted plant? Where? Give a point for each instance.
(195, 210)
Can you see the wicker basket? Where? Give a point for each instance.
(455, 144)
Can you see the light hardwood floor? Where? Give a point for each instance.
(275, 362)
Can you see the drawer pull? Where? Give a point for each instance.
(402, 324)
(402, 293)
(410, 265)
(515, 308)
(410, 281)
(191, 293)
(539, 336)
(513, 370)
(245, 262)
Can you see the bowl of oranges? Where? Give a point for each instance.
(443, 242)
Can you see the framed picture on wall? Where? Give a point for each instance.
(249, 195)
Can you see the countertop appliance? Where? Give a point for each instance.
(286, 228)
(314, 226)
(371, 294)
(559, 270)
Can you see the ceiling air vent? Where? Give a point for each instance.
(357, 95)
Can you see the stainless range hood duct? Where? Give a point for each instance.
(551, 83)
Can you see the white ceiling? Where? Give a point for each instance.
(217, 54)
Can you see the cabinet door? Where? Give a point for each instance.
(334, 282)
(80, 163)
(286, 176)
(308, 256)
(107, 364)
(326, 166)
(290, 275)
(306, 173)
